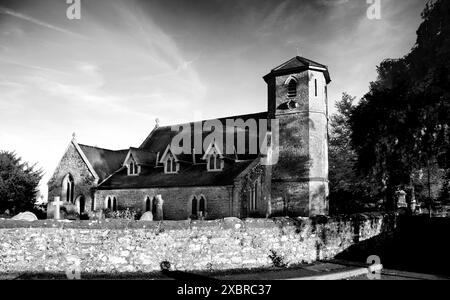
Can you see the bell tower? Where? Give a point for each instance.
(297, 97)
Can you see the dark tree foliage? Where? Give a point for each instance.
(429, 71)
(350, 192)
(18, 183)
(403, 123)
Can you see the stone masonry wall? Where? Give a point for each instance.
(50, 246)
(177, 201)
(84, 182)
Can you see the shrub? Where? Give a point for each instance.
(125, 214)
(96, 215)
(277, 260)
(69, 211)
(165, 265)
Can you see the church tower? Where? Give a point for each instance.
(297, 97)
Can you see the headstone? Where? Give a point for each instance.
(159, 208)
(413, 205)
(25, 216)
(147, 216)
(232, 223)
(401, 199)
(57, 203)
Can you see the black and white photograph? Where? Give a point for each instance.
(230, 143)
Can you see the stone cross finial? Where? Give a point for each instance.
(156, 122)
(73, 135)
(57, 203)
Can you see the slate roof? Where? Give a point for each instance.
(298, 63)
(160, 137)
(104, 161)
(143, 157)
(189, 175)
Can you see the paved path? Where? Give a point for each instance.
(331, 270)
(400, 275)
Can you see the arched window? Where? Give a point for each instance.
(315, 87)
(108, 203)
(133, 168)
(67, 189)
(154, 206)
(292, 88)
(253, 197)
(148, 204)
(202, 206)
(214, 163)
(171, 165)
(194, 210)
(114, 204)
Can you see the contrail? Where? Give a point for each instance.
(37, 22)
(32, 67)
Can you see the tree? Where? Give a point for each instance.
(429, 69)
(402, 125)
(381, 131)
(18, 183)
(349, 192)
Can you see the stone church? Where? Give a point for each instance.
(213, 183)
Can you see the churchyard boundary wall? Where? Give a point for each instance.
(136, 246)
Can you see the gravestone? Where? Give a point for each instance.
(401, 199)
(147, 216)
(159, 208)
(25, 216)
(57, 203)
(232, 223)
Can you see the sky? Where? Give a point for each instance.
(110, 74)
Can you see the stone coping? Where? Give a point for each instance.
(227, 223)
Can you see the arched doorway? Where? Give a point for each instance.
(81, 204)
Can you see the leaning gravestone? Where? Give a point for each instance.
(25, 216)
(232, 223)
(148, 216)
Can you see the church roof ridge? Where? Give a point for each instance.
(211, 119)
(100, 148)
(140, 150)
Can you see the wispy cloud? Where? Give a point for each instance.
(109, 75)
(30, 66)
(24, 17)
